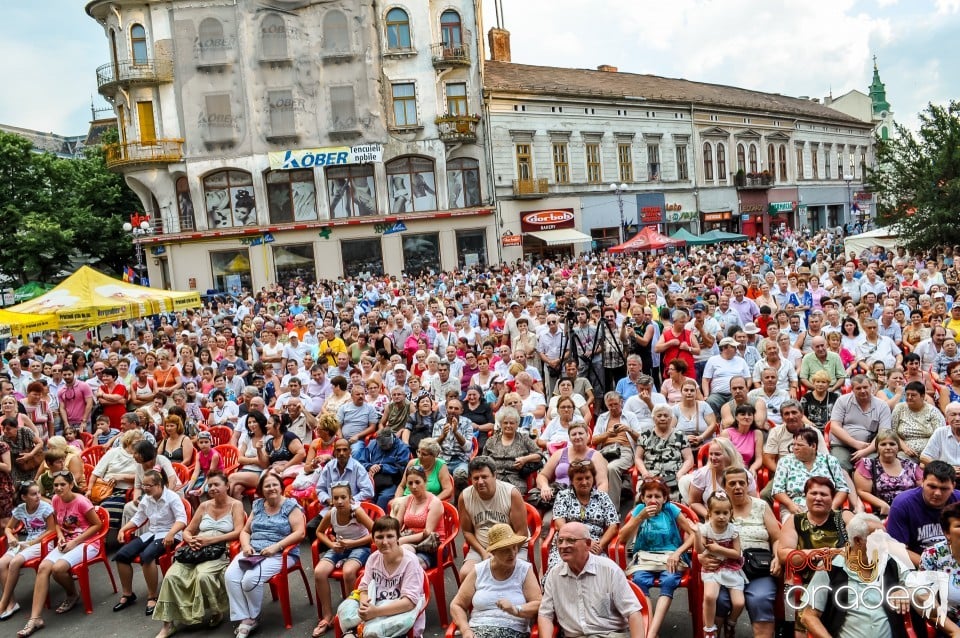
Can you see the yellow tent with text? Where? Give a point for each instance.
(89, 298)
(20, 324)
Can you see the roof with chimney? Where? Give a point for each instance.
(508, 77)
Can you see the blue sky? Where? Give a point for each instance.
(50, 49)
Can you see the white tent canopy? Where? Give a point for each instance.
(885, 237)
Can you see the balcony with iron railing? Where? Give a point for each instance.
(447, 55)
(127, 73)
(458, 129)
(143, 153)
(530, 188)
(749, 181)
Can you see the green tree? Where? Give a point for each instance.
(57, 212)
(917, 179)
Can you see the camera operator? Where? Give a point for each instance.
(638, 335)
(614, 361)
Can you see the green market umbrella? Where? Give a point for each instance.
(30, 290)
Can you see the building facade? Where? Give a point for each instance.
(617, 148)
(310, 139)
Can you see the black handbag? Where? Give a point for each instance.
(528, 469)
(756, 563)
(190, 556)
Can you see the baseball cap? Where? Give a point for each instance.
(399, 366)
(514, 303)
(293, 334)
(699, 307)
(728, 341)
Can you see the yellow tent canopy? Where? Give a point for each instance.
(89, 298)
(16, 323)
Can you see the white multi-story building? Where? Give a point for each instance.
(681, 153)
(299, 138)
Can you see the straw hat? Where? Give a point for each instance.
(501, 535)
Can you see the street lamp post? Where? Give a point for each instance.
(849, 180)
(140, 230)
(619, 189)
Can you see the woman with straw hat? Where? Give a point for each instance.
(502, 591)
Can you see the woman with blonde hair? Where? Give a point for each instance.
(709, 478)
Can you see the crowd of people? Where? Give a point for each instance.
(715, 411)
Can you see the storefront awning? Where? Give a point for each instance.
(561, 237)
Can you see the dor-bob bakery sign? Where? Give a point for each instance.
(547, 220)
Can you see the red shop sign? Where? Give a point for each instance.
(547, 220)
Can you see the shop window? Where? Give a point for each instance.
(213, 46)
(625, 162)
(411, 185)
(561, 167)
(594, 173)
(292, 196)
(351, 191)
(683, 172)
(362, 257)
(336, 36)
(185, 205)
(273, 37)
(456, 98)
(398, 29)
(421, 254)
(722, 162)
(138, 44)
(228, 196)
(604, 238)
(405, 104)
(707, 161)
(282, 115)
(471, 249)
(294, 262)
(231, 271)
(451, 32)
(463, 182)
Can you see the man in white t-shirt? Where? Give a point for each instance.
(719, 370)
(642, 403)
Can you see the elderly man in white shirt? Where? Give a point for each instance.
(642, 403)
(875, 347)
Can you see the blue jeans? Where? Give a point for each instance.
(669, 581)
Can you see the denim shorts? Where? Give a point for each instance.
(359, 554)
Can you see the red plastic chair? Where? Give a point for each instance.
(228, 458)
(534, 527)
(338, 632)
(93, 454)
(690, 578)
(183, 472)
(87, 472)
(206, 414)
(87, 439)
(445, 556)
(374, 512)
(826, 435)
(644, 603)
(280, 585)
(221, 435)
(703, 455)
(476, 448)
(82, 570)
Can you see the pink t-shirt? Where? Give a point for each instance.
(405, 582)
(72, 516)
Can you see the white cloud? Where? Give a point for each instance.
(948, 6)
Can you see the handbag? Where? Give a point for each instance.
(190, 556)
(644, 561)
(756, 563)
(528, 469)
(429, 545)
(101, 490)
(610, 452)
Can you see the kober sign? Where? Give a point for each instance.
(547, 220)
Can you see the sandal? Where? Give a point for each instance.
(33, 626)
(68, 603)
(149, 607)
(322, 627)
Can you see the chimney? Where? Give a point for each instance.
(606, 68)
(499, 45)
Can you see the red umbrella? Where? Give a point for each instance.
(647, 239)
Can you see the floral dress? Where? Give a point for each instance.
(598, 514)
(663, 456)
(916, 428)
(887, 487)
(792, 475)
(939, 558)
(504, 457)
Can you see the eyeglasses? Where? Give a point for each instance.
(62, 474)
(582, 463)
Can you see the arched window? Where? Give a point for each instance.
(398, 29)
(411, 185)
(708, 161)
(273, 37)
(351, 191)
(722, 162)
(463, 182)
(210, 41)
(782, 156)
(138, 44)
(229, 200)
(291, 196)
(752, 155)
(772, 160)
(741, 158)
(185, 205)
(451, 32)
(336, 37)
